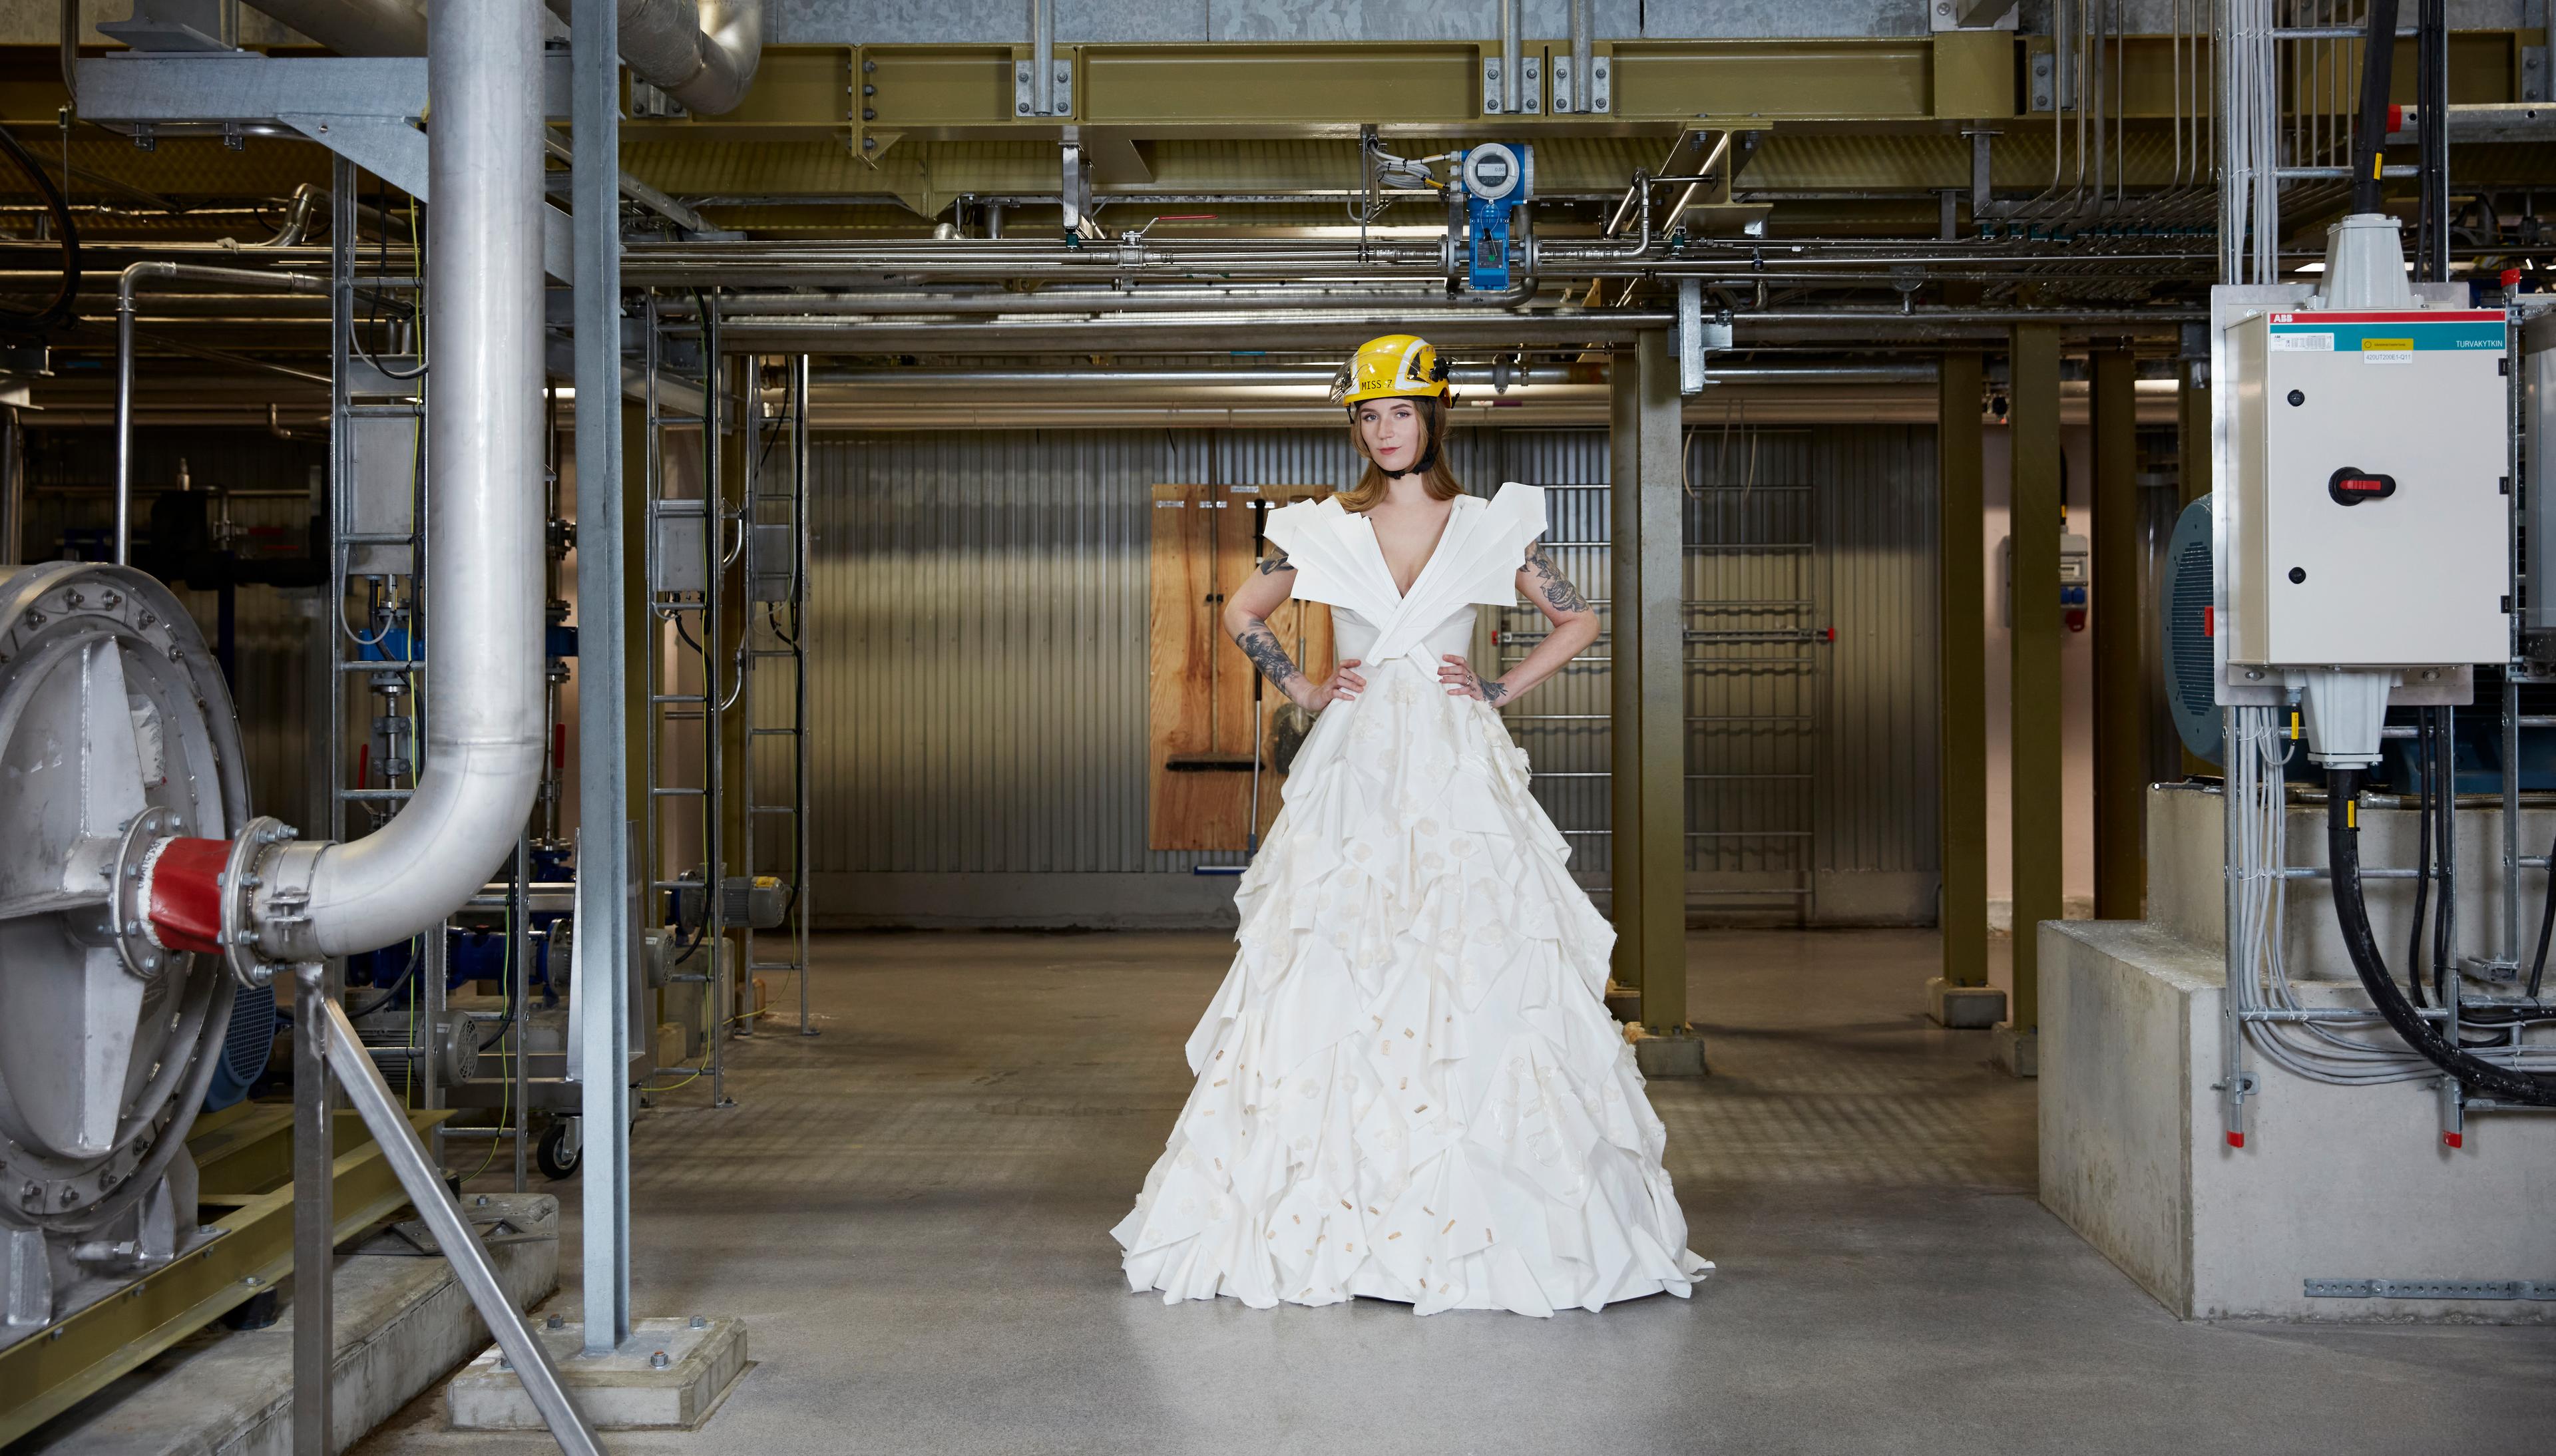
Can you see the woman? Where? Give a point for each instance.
(1408, 1086)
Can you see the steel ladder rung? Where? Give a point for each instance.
(771, 808)
(674, 790)
(677, 697)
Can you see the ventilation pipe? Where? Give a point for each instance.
(304, 902)
(702, 52)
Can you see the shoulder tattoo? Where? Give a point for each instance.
(1551, 583)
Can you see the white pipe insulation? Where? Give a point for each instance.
(702, 52)
(484, 523)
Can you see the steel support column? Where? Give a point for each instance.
(2122, 709)
(1961, 640)
(1647, 623)
(315, 1235)
(2035, 789)
(603, 948)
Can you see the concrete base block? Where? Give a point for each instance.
(1964, 1008)
(1674, 1054)
(628, 1389)
(402, 1320)
(2333, 1182)
(2019, 1053)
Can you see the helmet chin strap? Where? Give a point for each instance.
(1421, 466)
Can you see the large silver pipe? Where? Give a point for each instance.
(702, 52)
(484, 527)
(126, 286)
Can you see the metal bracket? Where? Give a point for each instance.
(2044, 91)
(1696, 337)
(1025, 88)
(1075, 192)
(1602, 89)
(2535, 83)
(2454, 1111)
(1530, 82)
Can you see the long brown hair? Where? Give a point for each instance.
(1441, 478)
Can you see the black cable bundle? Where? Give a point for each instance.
(2352, 913)
(65, 299)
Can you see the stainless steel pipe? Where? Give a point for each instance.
(485, 519)
(127, 285)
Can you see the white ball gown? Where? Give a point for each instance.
(1409, 1086)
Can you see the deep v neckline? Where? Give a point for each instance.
(1402, 594)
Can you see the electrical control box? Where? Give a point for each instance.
(2372, 524)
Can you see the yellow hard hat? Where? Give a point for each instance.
(1397, 364)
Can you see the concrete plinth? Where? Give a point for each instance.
(2333, 1182)
(1670, 1054)
(2019, 1053)
(628, 1389)
(1964, 1008)
(401, 1320)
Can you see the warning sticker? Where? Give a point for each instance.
(2386, 351)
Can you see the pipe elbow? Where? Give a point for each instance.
(342, 898)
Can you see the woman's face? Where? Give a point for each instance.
(1391, 429)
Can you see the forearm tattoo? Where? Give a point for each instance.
(1556, 589)
(1276, 561)
(1493, 690)
(1260, 645)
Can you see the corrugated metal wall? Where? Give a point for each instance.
(978, 620)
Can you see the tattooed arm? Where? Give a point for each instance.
(1575, 627)
(1246, 621)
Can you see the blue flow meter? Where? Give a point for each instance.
(1497, 177)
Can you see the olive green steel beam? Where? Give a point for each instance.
(2122, 708)
(246, 1162)
(1648, 634)
(2036, 789)
(2153, 76)
(1962, 633)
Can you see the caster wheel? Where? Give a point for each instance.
(561, 1151)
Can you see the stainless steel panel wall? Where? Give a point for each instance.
(979, 619)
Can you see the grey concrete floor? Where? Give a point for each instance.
(911, 1212)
